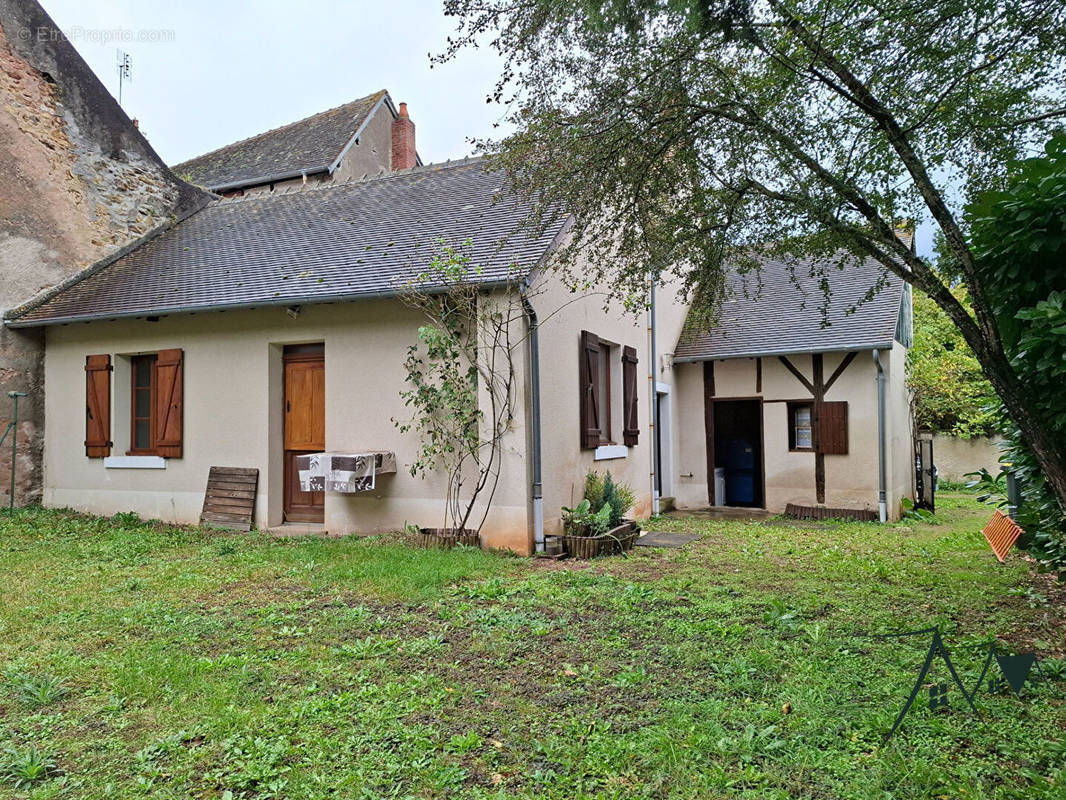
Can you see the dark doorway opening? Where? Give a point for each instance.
(738, 453)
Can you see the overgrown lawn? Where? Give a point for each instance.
(142, 660)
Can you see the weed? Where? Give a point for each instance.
(781, 616)
(37, 691)
(464, 743)
(1054, 668)
(1034, 598)
(27, 766)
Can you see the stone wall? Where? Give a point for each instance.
(77, 181)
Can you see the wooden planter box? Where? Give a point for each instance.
(439, 539)
(616, 540)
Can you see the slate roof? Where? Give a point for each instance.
(765, 313)
(331, 243)
(313, 145)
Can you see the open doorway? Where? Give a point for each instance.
(738, 453)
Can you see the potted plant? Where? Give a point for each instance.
(597, 525)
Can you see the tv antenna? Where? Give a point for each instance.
(125, 70)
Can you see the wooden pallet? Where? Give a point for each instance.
(1002, 532)
(820, 512)
(230, 498)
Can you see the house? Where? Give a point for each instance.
(206, 344)
(360, 139)
(793, 398)
(269, 323)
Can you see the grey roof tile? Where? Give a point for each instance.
(311, 144)
(778, 310)
(337, 242)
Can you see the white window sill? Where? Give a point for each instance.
(605, 452)
(135, 462)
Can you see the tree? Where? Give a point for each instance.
(685, 135)
(1019, 236)
(951, 394)
(462, 381)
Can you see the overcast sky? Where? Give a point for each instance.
(228, 69)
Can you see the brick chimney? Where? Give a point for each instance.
(403, 141)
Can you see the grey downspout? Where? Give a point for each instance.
(534, 390)
(653, 397)
(882, 448)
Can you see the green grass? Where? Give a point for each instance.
(139, 660)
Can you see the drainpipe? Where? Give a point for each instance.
(534, 390)
(882, 492)
(652, 395)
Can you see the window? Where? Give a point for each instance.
(831, 422)
(142, 405)
(800, 426)
(600, 364)
(603, 396)
(156, 404)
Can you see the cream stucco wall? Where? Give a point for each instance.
(233, 417)
(955, 457)
(372, 154)
(563, 316)
(851, 480)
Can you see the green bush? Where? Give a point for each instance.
(601, 491)
(1019, 236)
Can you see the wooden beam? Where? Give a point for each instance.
(799, 375)
(818, 390)
(758, 375)
(840, 370)
(708, 424)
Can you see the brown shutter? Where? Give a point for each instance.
(168, 403)
(630, 423)
(833, 428)
(97, 406)
(588, 385)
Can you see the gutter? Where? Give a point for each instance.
(887, 345)
(283, 176)
(534, 391)
(652, 395)
(882, 447)
(240, 305)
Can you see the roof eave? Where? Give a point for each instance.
(785, 352)
(238, 306)
(283, 176)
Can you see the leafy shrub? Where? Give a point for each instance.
(951, 394)
(602, 491)
(583, 521)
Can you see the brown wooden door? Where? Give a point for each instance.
(305, 426)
